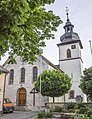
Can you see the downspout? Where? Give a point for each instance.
(4, 90)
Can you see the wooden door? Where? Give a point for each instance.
(22, 97)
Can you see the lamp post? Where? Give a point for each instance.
(40, 91)
(90, 46)
(40, 79)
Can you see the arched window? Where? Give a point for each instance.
(35, 73)
(68, 29)
(11, 79)
(68, 53)
(71, 94)
(22, 75)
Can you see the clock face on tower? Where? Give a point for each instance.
(73, 46)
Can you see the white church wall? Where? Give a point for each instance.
(74, 52)
(72, 68)
(11, 90)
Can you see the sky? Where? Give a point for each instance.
(80, 14)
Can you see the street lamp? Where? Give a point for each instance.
(40, 78)
(40, 92)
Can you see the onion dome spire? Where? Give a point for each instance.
(69, 35)
(67, 13)
(68, 25)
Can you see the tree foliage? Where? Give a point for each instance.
(54, 83)
(24, 25)
(86, 82)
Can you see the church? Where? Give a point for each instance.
(21, 79)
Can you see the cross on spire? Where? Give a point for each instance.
(67, 13)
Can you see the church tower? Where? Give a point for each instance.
(70, 61)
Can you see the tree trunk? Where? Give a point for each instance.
(53, 99)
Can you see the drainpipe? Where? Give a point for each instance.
(4, 90)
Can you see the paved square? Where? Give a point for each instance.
(19, 115)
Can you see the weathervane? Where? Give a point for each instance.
(67, 13)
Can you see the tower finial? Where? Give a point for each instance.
(67, 13)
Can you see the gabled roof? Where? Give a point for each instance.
(3, 69)
(45, 59)
(51, 64)
(7, 61)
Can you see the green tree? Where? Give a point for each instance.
(24, 25)
(54, 83)
(86, 82)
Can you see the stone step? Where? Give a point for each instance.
(20, 108)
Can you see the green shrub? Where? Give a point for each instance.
(89, 113)
(81, 105)
(76, 107)
(44, 115)
(83, 110)
(84, 117)
(58, 109)
(71, 106)
(71, 110)
(48, 114)
(41, 115)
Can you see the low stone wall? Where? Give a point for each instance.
(52, 105)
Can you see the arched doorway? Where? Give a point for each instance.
(22, 97)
